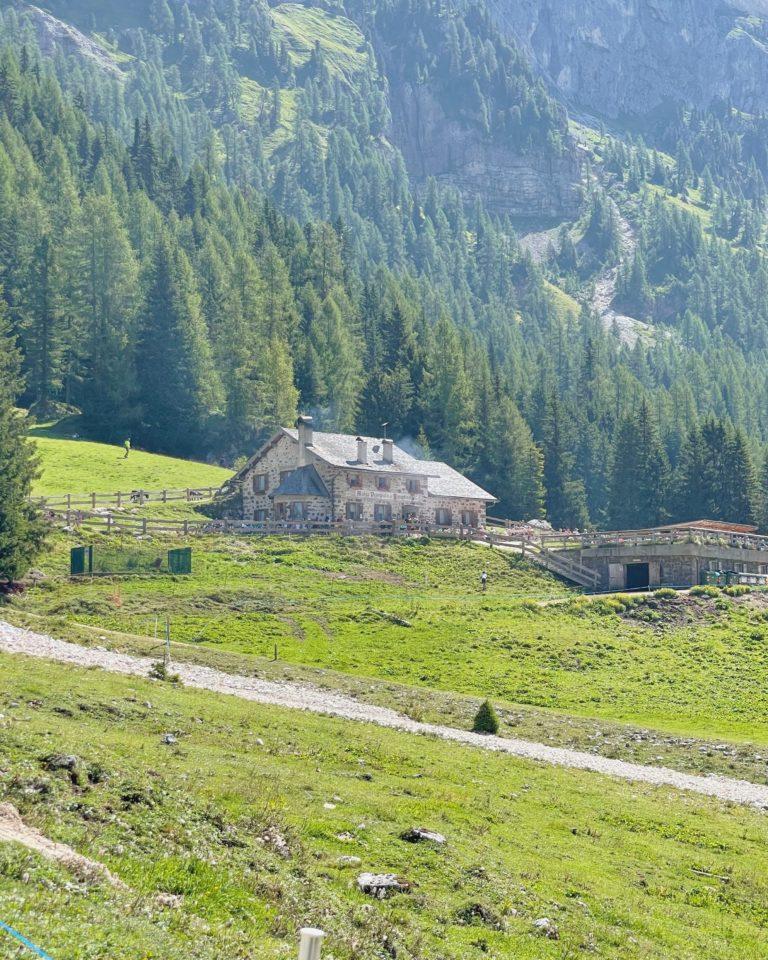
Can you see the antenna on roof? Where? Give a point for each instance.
(384, 428)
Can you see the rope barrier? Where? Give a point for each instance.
(23, 940)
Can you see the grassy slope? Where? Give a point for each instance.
(624, 871)
(321, 602)
(72, 465)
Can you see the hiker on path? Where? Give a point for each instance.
(484, 580)
(127, 446)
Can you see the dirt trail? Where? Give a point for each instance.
(298, 697)
(14, 830)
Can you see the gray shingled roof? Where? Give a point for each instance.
(340, 450)
(444, 481)
(302, 482)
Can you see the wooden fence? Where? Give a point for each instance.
(122, 498)
(147, 526)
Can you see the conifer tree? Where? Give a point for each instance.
(102, 280)
(566, 499)
(178, 389)
(516, 472)
(639, 475)
(22, 532)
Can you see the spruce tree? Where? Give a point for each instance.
(486, 720)
(514, 463)
(178, 389)
(566, 499)
(639, 474)
(22, 531)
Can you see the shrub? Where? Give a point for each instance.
(699, 591)
(486, 720)
(665, 593)
(738, 590)
(159, 671)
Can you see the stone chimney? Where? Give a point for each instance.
(304, 426)
(362, 451)
(387, 451)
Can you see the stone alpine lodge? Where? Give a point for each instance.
(304, 476)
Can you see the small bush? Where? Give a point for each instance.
(665, 593)
(159, 671)
(738, 590)
(708, 591)
(486, 720)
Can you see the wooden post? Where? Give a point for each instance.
(93, 501)
(186, 527)
(119, 499)
(167, 653)
(310, 944)
(165, 496)
(109, 523)
(144, 526)
(69, 502)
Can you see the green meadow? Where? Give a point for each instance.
(247, 821)
(411, 612)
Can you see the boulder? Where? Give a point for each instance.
(381, 885)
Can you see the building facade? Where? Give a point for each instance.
(304, 476)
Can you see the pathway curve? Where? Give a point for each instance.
(300, 697)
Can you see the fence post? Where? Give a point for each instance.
(93, 501)
(119, 499)
(186, 527)
(69, 502)
(165, 495)
(310, 943)
(144, 526)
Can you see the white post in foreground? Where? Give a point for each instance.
(310, 943)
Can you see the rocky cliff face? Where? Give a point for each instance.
(628, 57)
(53, 35)
(520, 184)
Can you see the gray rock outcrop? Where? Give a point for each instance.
(630, 57)
(521, 183)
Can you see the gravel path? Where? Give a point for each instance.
(299, 697)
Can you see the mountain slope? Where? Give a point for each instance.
(635, 57)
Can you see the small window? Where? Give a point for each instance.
(468, 518)
(261, 515)
(382, 512)
(298, 510)
(354, 510)
(410, 513)
(355, 480)
(260, 482)
(443, 517)
(382, 483)
(413, 485)
(284, 474)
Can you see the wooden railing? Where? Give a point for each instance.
(123, 498)
(127, 523)
(706, 536)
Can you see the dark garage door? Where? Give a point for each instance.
(638, 576)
